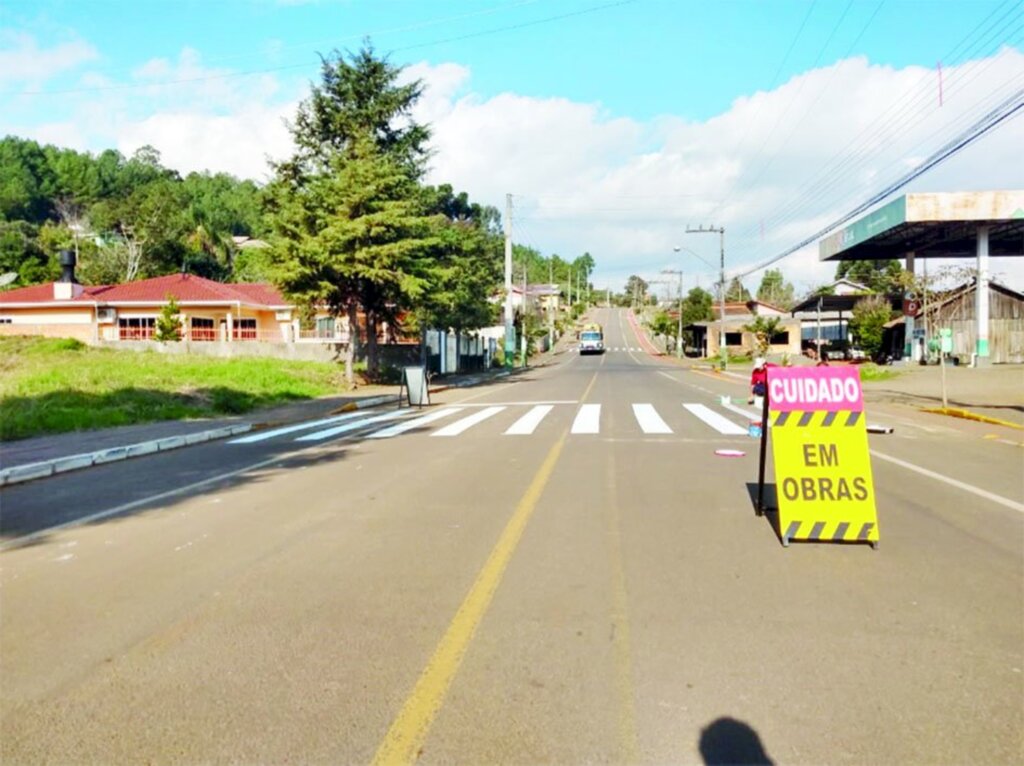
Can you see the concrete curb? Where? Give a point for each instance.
(43, 469)
(22, 473)
(968, 415)
(362, 404)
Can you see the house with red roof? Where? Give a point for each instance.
(210, 311)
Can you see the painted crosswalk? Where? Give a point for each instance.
(468, 422)
(352, 426)
(588, 420)
(649, 420)
(414, 423)
(719, 422)
(692, 420)
(528, 423)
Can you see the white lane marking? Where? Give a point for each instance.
(327, 434)
(740, 411)
(716, 421)
(649, 419)
(408, 425)
(521, 404)
(588, 420)
(459, 426)
(1012, 504)
(263, 435)
(528, 423)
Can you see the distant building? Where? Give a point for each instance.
(955, 310)
(740, 340)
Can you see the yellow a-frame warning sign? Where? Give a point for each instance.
(820, 445)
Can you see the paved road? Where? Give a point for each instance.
(556, 569)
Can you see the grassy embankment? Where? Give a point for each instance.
(50, 385)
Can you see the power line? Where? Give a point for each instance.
(1008, 109)
(863, 144)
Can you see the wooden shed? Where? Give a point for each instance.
(956, 309)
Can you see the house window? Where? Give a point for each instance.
(734, 339)
(202, 329)
(780, 338)
(325, 327)
(245, 329)
(136, 328)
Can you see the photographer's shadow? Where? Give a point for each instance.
(728, 741)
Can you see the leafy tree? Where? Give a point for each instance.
(763, 329)
(775, 289)
(24, 179)
(665, 325)
(697, 306)
(635, 290)
(168, 324)
(870, 314)
(466, 267)
(736, 292)
(879, 276)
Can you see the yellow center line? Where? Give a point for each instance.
(408, 732)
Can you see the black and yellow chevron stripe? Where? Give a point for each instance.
(795, 419)
(836, 531)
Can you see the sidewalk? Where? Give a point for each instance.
(995, 392)
(43, 456)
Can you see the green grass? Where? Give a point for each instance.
(52, 385)
(872, 371)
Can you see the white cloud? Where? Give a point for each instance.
(239, 143)
(23, 62)
(774, 168)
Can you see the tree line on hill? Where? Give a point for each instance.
(350, 223)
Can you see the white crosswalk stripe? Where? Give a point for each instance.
(409, 425)
(459, 426)
(720, 423)
(649, 419)
(328, 433)
(740, 411)
(588, 420)
(528, 423)
(260, 436)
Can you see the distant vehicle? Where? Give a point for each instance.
(592, 339)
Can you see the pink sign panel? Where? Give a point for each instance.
(810, 389)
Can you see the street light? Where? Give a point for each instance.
(679, 297)
(720, 231)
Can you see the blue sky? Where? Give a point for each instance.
(640, 59)
(616, 124)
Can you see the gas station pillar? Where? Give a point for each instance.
(981, 295)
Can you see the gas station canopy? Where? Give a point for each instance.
(943, 225)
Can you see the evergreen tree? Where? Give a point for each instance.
(168, 324)
(736, 292)
(774, 289)
(358, 237)
(879, 276)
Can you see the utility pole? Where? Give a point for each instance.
(510, 341)
(720, 230)
(551, 308)
(679, 297)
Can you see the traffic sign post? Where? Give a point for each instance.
(824, 486)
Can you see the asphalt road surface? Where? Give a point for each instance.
(554, 569)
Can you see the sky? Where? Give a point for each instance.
(615, 124)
